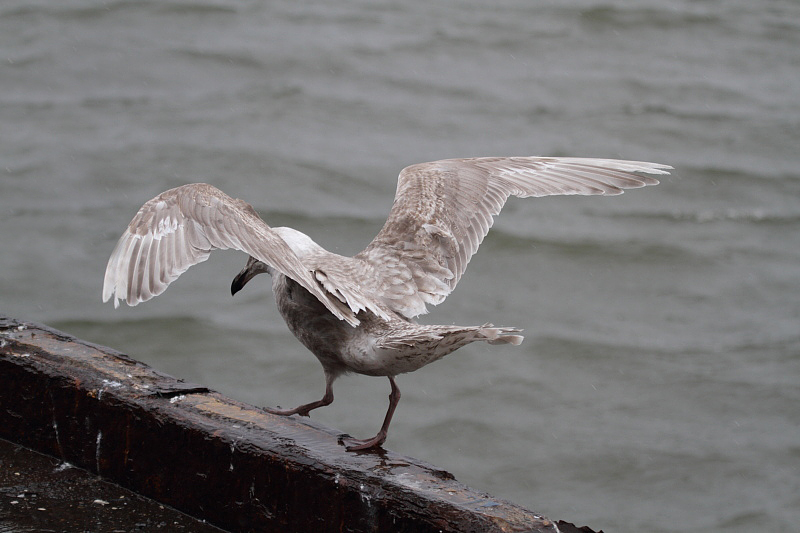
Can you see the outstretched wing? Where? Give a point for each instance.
(180, 227)
(443, 210)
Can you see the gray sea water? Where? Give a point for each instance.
(658, 388)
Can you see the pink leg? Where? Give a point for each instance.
(306, 408)
(352, 445)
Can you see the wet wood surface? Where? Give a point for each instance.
(217, 459)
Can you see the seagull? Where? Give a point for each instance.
(357, 314)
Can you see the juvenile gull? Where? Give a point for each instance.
(356, 314)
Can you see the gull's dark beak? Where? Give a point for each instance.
(239, 281)
(253, 268)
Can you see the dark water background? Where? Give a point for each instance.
(658, 388)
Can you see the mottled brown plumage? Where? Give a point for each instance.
(356, 313)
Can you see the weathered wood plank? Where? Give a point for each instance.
(217, 459)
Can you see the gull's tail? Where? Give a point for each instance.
(501, 335)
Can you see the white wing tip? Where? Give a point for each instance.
(109, 293)
(132, 302)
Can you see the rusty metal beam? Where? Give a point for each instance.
(217, 459)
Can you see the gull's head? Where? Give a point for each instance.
(253, 268)
(300, 243)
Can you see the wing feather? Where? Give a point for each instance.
(180, 227)
(443, 210)
(441, 214)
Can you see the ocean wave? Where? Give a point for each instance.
(229, 58)
(766, 215)
(86, 10)
(621, 16)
